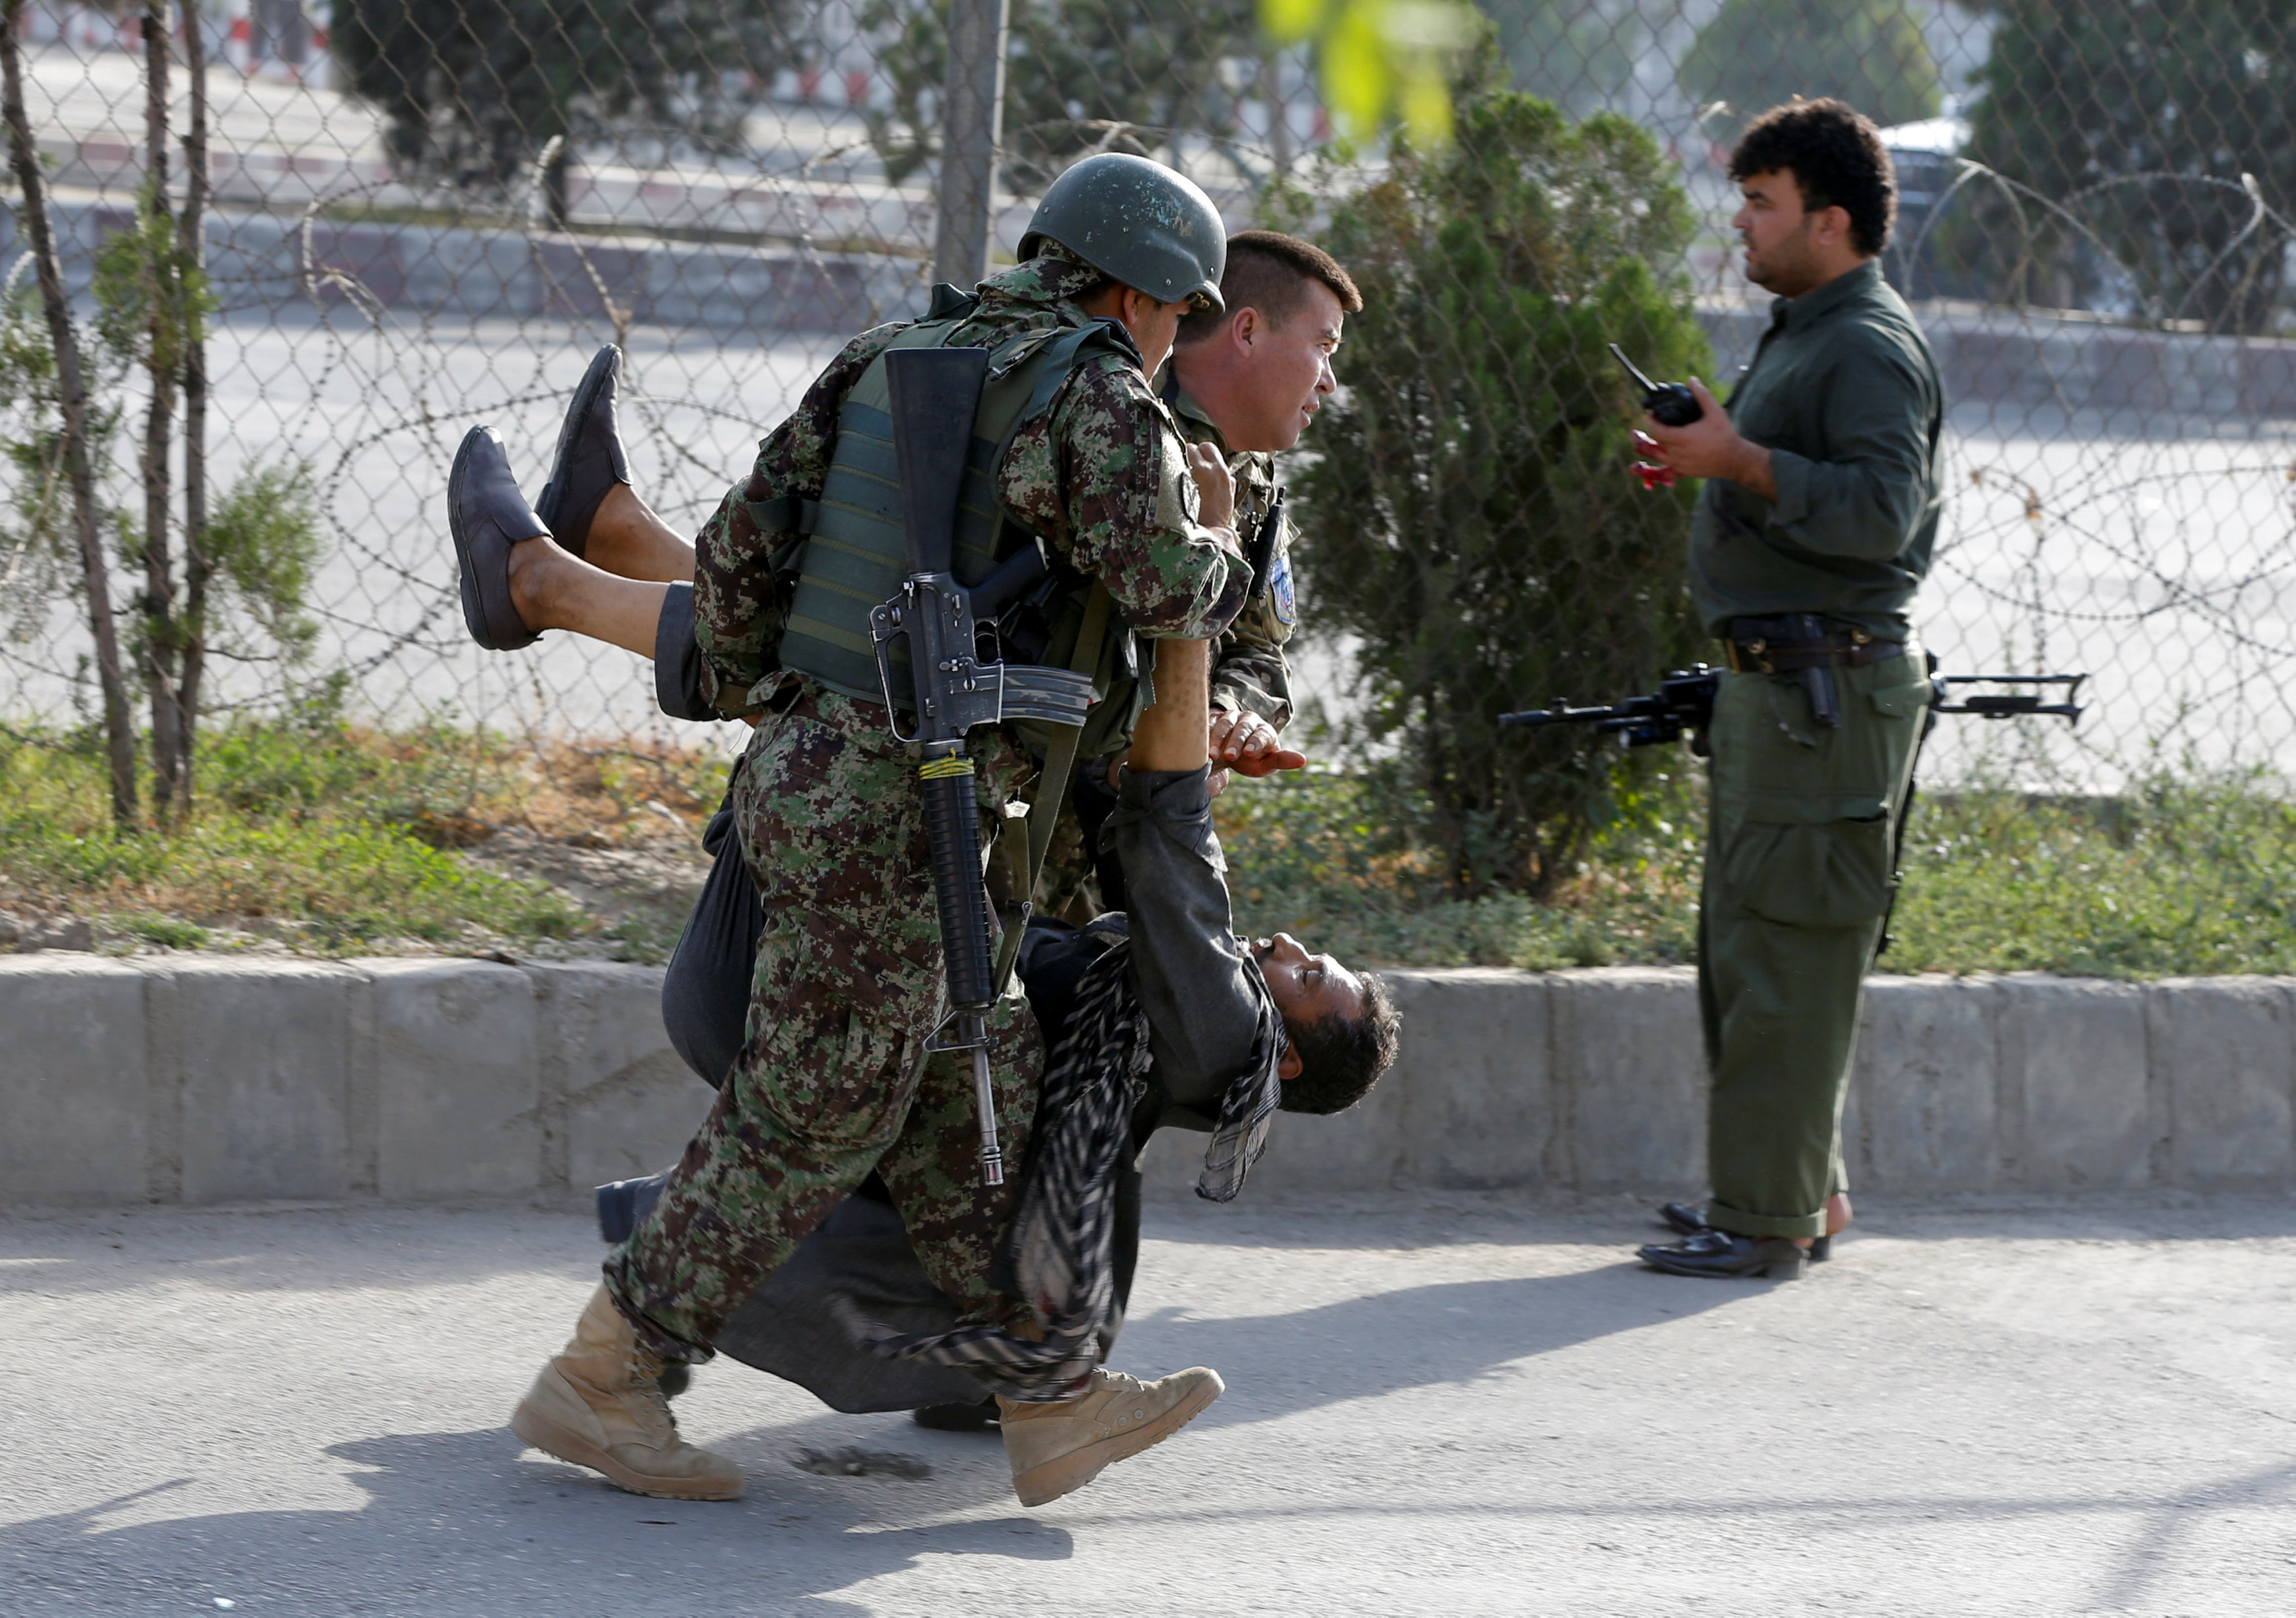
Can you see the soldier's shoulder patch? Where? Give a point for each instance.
(1280, 594)
(1177, 500)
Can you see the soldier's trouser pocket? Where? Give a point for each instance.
(1826, 872)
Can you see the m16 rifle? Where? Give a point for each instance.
(956, 682)
(1683, 706)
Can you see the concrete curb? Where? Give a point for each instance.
(1592, 1082)
(207, 1079)
(219, 1079)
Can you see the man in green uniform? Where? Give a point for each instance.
(1082, 458)
(1811, 535)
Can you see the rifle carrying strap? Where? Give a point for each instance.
(1053, 785)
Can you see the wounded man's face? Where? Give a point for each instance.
(1307, 988)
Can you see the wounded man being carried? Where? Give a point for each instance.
(835, 1079)
(1191, 982)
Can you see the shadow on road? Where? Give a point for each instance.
(1449, 1332)
(457, 1523)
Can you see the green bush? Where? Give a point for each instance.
(2122, 111)
(1081, 76)
(1576, 54)
(1756, 54)
(1468, 517)
(472, 91)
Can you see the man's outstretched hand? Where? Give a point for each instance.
(1237, 743)
(1247, 745)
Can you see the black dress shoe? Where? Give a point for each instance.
(980, 1418)
(1684, 1219)
(590, 460)
(1724, 1256)
(487, 516)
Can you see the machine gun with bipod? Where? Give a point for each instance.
(1682, 706)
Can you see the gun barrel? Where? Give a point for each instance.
(984, 1104)
(1562, 712)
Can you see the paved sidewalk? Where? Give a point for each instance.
(1435, 1406)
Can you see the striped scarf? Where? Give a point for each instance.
(1063, 1234)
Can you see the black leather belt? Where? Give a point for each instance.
(1799, 640)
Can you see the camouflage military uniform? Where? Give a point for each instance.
(1248, 671)
(833, 1078)
(1250, 674)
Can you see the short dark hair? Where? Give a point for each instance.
(1342, 1057)
(1837, 160)
(1269, 271)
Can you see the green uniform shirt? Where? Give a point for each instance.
(1249, 672)
(1843, 392)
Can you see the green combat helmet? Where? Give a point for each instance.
(1137, 222)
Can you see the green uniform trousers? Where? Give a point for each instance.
(833, 1079)
(1799, 853)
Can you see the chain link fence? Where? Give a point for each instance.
(426, 214)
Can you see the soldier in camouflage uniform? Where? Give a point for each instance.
(1266, 361)
(835, 1078)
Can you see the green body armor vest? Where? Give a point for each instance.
(854, 555)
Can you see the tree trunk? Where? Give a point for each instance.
(557, 173)
(1279, 110)
(162, 648)
(195, 398)
(973, 134)
(72, 396)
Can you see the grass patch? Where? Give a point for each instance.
(2175, 878)
(1339, 861)
(338, 838)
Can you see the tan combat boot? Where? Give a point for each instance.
(598, 1404)
(1056, 1448)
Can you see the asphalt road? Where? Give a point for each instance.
(1451, 1406)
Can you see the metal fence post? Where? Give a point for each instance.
(972, 126)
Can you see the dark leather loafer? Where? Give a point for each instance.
(590, 460)
(487, 516)
(1684, 1220)
(1723, 1256)
(623, 1205)
(960, 1418)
